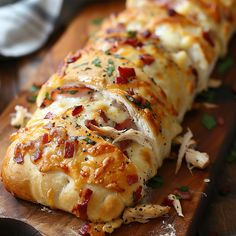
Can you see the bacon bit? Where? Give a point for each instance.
(137, 194)
(81, 208)
(126, 153)
(126, 124)
(228, 16)
(49, 115)
(90, 123)
(167, 202)
(121, 80)
(147, 59)
(132, 179)
(183, 195)
(220, 121)
(146, 34)
(37, 155)
(46, 102)
(133, 42)
(208, 38)
(77, 110)
(45, 138)
(171, 12)
(130, 91)
(69, 149)
(73, 58)
(18, 157)
(103, 115)
(85, 229)
(126, 72)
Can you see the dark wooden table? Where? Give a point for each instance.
(219, 218)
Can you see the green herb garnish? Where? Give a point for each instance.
(31, 98)
(156, 182)
(97, 21)
(184, 188)
(131, 34)
(47, 96)
(110, 67)
(225, 64)
(97, 62)
(140, 104)
(89, 141)
(208, 121)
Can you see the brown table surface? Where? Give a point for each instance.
(220, 215)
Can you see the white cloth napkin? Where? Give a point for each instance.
(25, 25)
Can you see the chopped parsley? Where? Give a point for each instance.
(156, 182)
(110, 68)
(31, 98)
(89, 141)
(208, 121)
(131, 34)
(47, 96)
(225, 64)
(97, 21)
(97, 62)
(140, 104)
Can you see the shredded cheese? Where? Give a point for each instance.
(18, 119)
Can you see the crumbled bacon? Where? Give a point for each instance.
(69, 149)
(46, 102)
(147, 59)
(126, 72)
(103, 115)
(77, 110)
(171, 12)
(37, 155)
(208, 38)
(132, 179)
(121, 80)
(138, 194)
(126, 124)
(81, 208)
(133, 42)
(90, 123)
(45, 138)
(18, 157)
(73, 58)
(85, 229)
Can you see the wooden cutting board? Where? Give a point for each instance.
(215, 142)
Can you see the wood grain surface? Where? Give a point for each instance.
(215, 142)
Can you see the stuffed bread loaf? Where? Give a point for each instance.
(106, 121)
